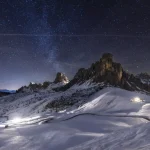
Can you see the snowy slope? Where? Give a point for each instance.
(136, 137)
(99, 119)
(115, 101)
(63, 135)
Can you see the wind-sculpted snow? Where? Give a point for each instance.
(63, 135)
(135, 138)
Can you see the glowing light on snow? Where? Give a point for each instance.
(16, 120)
(62, 111)
(2, 126)
(32, 82)
(23, 120)
(136, 99)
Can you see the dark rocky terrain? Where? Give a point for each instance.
(4, 94)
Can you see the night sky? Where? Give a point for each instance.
(39, 38)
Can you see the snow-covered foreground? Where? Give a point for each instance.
(68, 134)
(134, 138)
(110, 129)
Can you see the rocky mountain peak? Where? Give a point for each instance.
(60, 77)
(107, 57)
(103, 70)
(107, 71)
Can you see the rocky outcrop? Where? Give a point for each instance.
(103, 70)
(60, 77)
(34, 87)
(145, 76)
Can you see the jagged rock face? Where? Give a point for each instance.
(103, 70)
(144, 76)
(132, 83)
(60, 77)
(107, 61)
(32, 87)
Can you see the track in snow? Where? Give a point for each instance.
(55, 120)
(107, 115)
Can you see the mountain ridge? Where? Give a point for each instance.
(107, 71)
(104, 70)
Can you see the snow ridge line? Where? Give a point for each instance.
(108, 115)
(52, 120)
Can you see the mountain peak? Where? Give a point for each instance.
(60, 77)
(103, 70)
(107, 71)
(107, 56)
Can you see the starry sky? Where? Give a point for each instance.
(39, 38)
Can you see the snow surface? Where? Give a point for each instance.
(55, 85)
(107, 119)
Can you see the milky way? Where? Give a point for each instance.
(38, 38)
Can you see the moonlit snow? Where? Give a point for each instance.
(107, 120)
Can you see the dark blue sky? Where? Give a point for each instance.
(38, 38)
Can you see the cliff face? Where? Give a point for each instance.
(103, 70)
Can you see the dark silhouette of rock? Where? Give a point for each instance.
(4, 94)
(46, 84)
(60, 77)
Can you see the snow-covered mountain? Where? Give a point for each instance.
(107, 71)
(145, 78)
(4, 92)
(102, 107)
(59, 81)
(7, 91)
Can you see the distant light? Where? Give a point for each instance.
(136, 99)
(32, 82)
(23, 120)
